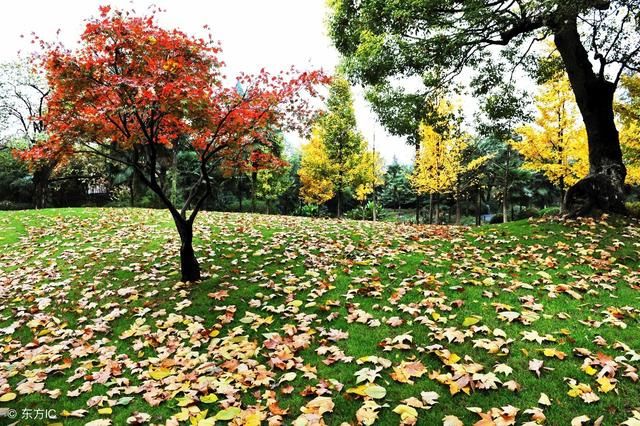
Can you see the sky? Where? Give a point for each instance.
(273, 34)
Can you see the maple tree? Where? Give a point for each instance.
(556, 143)
(133, 89)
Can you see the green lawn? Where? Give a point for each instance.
(345, 320)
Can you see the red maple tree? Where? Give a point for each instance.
(133, 89)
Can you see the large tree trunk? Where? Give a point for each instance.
(189, 267)
(174, 175)
(458, 212)
(603, 188)
(254, 183)
(41, 184)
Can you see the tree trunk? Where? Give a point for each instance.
(437, 209)
(478, 207)
(132, 199)
(430, 208)
(254, 182)
(174, 175)
(375, 204)
(603, 188)
(563, 193)
(41, 185)
(239, 192)
(505, 189)
(458, 212)
(339, 207)
(189, 267)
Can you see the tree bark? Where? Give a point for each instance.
(603, 188)
(189, 267)
(478, 207)
(41, 185)
(254, 183)
(174, 175)
(505, 189)
(458, 212)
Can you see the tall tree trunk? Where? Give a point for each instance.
(239, 192)
(603, 188)
(189, 267)
(437, 209)
(478, 206)
(132, 197)
(505, 189)
(41, 185)
(418, 196)
(339, 208)
(254, 183)
(375, 205)
(174, 175)
(458, 212)
(430, 208)
(563, 193)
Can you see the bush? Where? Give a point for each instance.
(496, 219)
(367, 212)
(12, 205)
(527, 213)
(549, 211)
(311, 210)
(634, 209)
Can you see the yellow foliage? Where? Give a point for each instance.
(556, 143)
(629, 114)
(440, 161)
(316, 171)
(366, 174)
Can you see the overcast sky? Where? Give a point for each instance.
(273, 34)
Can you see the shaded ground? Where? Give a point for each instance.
(303, 321)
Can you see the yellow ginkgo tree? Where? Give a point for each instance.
(316, 172)
(555, 144)
(366, 175)
(441, 161)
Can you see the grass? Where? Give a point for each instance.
(74, 281)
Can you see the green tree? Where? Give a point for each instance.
(397, 190)
(23, 103)
(435, 40)
(272, 183)
(340, 137)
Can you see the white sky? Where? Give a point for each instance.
(273, 34)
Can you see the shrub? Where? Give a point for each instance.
(12, 205)
(496, 219)
(310, 210)
(367, 212)
(527, 213)
(549, 211)
(634, 209)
